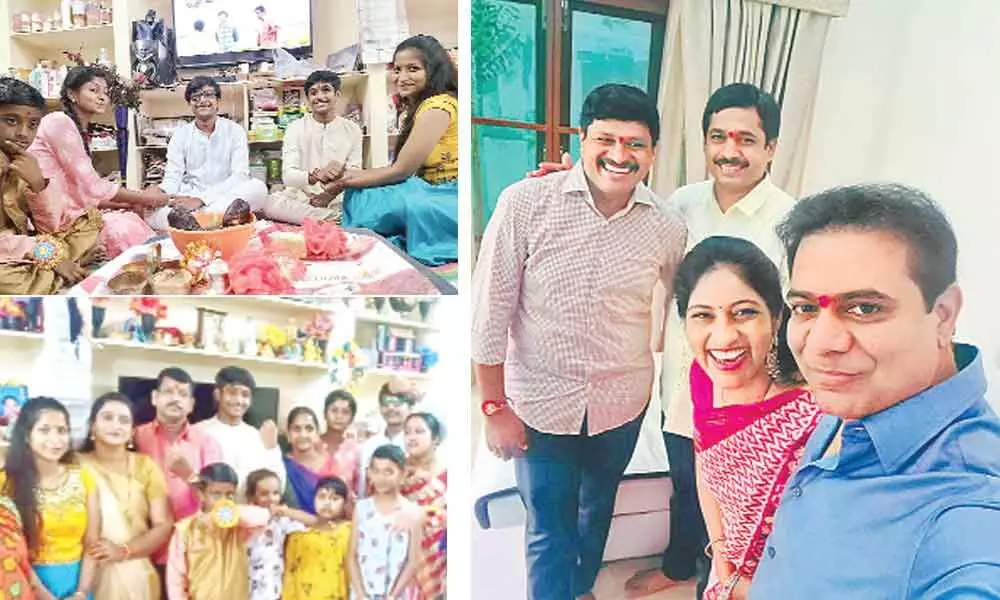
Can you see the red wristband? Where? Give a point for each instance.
(492, 407)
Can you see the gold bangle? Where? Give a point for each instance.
(709, 550)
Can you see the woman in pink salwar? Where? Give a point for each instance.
(62, 149)
(752, 416)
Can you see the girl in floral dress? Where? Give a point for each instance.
(266, 551)
(387, 528)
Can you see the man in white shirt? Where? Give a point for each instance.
(740, 125)
(395, 402)
(315, 151)
(208, 160)
(243, 448)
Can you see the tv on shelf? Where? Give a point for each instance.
(139, 390)
(226, 32)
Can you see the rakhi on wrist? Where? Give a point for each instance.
(49, 251)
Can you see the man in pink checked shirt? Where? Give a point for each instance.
(180, 450)
(562, 324)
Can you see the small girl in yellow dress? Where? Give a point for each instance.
(316, 559)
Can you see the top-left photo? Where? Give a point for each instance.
(229, 147)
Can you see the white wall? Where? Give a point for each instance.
(908, 92)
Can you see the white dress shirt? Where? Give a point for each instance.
(243, 450)
(753, 218)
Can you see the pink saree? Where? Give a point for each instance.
(74, 187)
(746, 454)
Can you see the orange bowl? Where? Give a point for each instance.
(229, 241)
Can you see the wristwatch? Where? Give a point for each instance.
(492, 407)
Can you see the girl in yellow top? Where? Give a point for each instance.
(316, 559)
(414, 201)
(136, 520)
(57, 500)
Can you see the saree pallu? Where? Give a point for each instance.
(124, 515)
(15, 568)
(420, 218)
(746, 453)
(430, 495)
(302, 482)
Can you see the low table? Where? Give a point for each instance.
(383, 270)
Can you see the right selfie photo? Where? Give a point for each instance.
(732, 329)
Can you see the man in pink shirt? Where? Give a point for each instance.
(180, 450)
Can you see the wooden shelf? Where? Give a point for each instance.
(393, 321)
(388, 373)
(196, 353)
(91, 38)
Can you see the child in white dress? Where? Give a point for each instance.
(266, 551)
(386, 538)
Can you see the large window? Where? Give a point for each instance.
(534, 61)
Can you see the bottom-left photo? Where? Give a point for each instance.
(211, 448)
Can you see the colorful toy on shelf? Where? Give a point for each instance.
(311, 351)
(148, 310)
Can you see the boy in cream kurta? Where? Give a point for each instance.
(316, 149)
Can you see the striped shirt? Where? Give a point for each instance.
(562, 297)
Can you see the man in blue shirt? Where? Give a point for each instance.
(898, 492)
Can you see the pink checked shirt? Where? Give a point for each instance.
(199, 449)
(563, 295)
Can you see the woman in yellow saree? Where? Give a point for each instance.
(135, 513)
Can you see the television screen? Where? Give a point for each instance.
(264, 405)
(230, 31)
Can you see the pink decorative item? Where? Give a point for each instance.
(325, 240)
(255, 272)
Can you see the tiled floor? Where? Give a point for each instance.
(611, 581)
(498, 570)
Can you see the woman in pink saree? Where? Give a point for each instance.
(752, 417)
(62, 149)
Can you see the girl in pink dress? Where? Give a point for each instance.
(339, 410)
(62, 149)
(752, 415)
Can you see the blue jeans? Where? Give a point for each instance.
(568, 484)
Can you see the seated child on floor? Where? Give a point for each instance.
(31, 263)
(207, 558)
(316, 560)
(385, 544)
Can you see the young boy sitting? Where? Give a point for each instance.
(32, 262)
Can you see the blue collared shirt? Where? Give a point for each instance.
(909, 507)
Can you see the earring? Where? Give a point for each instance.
(771, 361)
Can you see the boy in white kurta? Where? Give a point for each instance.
(316, 149)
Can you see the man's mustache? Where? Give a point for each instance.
(631, 166)
(739, 162)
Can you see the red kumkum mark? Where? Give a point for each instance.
(733, 135)
(824, 301)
